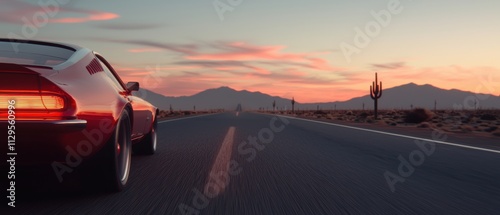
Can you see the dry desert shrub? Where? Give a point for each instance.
(488, 117)
(496, 133)
(491, 129)
(364, 115)
(418, 115)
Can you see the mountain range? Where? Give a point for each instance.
(400, 97)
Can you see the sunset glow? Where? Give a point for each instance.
(288, 49)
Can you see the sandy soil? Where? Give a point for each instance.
(483, 123)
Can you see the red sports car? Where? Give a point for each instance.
(65, 106)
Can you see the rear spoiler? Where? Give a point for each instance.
(10, 67)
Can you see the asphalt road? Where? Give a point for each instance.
(291, 167)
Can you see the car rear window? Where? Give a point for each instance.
(37, 54)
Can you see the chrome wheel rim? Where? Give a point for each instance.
(154, 136)
(123, 157)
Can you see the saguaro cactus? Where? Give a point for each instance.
(293, 105)
(274, 105)
(376, 93)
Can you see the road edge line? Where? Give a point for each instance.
(393, 134)
(191, 117)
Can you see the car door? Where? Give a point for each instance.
(141, 113)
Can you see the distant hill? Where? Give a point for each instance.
(400, 97)
(405, 96)
(219, 98)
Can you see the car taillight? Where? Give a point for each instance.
(34, 102)
(36, 98)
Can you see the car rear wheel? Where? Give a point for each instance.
(148, 145)
(118, 156)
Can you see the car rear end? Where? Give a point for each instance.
(37, 116)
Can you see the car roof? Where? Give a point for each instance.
(39, 53)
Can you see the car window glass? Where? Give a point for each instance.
(108, 72)
(33, 54)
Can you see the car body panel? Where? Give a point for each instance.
(84, 130)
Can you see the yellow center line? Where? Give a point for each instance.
(218, 178)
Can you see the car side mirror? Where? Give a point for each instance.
(133, 86)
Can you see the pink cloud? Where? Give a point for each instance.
(244, 53)
(91, 16)
(24, 13)
(240, 51)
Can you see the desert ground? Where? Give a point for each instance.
(470, 122)
(166, 114)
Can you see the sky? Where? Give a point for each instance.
(314, 51)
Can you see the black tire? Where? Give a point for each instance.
(147, 146)
(115, 165)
